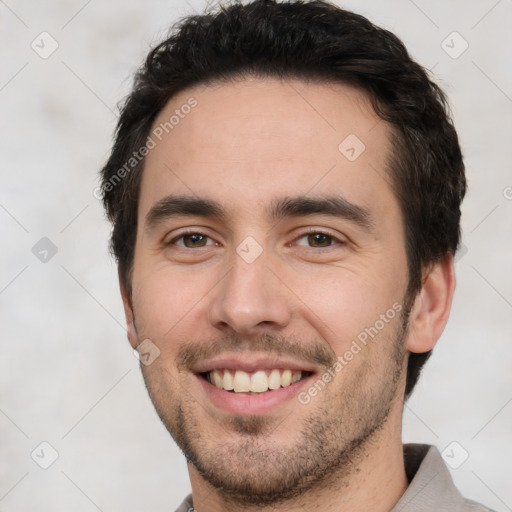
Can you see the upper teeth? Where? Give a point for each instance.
(259, 381)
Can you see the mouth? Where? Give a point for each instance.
(252, 384)
(255, 382)
(249, 393)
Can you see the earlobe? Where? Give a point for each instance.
(128, 313)
(432, 306)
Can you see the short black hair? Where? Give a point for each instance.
(313, 41)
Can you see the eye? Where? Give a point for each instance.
(191, 240)
(318, 239)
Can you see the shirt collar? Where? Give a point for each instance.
(430, 484)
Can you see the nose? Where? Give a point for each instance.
(250, 299)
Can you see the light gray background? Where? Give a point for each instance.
(68, 375)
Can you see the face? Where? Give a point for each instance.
(269, 239)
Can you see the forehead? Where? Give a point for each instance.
(248, 142)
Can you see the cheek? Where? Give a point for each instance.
(342, 304)
(167, 302)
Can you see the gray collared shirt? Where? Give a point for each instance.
(431, 487)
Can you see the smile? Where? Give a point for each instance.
(259, 381)
(246, 403)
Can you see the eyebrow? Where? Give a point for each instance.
(174, 206)
(335, 206)
(301, 206)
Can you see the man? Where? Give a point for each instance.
(285, 189)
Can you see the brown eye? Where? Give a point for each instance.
(319, 240)
(191, 240)
(194, 240)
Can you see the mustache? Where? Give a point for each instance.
(272, 344)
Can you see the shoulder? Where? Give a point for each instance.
(431, 486)
(186, 505)
(473, 506)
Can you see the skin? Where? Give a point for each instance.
(245, 145)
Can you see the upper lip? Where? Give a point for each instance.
(251, 364)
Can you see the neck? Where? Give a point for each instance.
(375, 482)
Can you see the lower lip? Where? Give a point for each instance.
(243, 404)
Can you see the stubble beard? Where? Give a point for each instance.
(250, 469)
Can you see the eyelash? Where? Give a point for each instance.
(185, 233)
(313, 231)
(304, 234)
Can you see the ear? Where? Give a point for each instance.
(432, 306)
(128, 313)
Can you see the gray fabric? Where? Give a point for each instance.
(186, 506)
(430, 489)
(431, 486)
